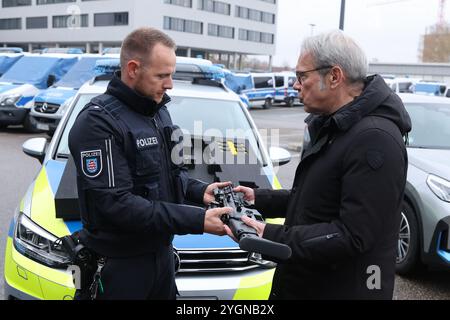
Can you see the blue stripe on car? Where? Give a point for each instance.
(11, 228)
(55, 170)
(205, 241)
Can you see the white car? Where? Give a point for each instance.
(425, 225)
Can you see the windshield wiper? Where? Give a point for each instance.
(62, 155)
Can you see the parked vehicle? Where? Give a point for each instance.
(211, 267)
(403, 85)
(430, 88)
(284, 88)
(63, 50)
(11, 50)
(425, 225)
(7, 60)
(262, 88)
(50, 104)
(24, 80)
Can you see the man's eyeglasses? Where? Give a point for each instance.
(301, 75)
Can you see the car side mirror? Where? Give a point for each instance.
(279, 156)
(35, 148)
(51, 80)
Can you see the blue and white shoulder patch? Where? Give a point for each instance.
(91, 163)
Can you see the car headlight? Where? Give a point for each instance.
(38, 244)
(10, 100)
(440, 187)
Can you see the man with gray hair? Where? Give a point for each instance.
(343, 211)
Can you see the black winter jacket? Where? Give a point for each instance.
(343, 212)
(130, 192)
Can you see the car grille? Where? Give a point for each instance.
(46, 107)
(196, 261)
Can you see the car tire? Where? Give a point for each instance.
(407, 260)
(268, 103)
(290, 102)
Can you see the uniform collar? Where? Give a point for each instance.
(133, 99)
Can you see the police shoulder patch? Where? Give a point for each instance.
(91, 163)
(375, 159)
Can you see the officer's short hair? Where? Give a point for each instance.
(139, 44)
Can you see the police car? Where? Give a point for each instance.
(49, 105)
(24, 80)
(210, 267)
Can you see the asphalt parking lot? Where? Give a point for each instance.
(18, 170)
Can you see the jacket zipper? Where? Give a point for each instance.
(166, 171)
(318, 239)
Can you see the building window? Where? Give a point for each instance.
(215, 6)
(70, 21)
(111, 19)
(37, 23)
(181, 3)
(182, 25)
(11, 24)
(256, 15)
(256, 36)
(220, 31)
(15, 3)
(52, 1)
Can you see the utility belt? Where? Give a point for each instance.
(86, 268)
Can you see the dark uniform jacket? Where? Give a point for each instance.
(131, 194)
(343, 212)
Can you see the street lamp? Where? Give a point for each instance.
(312, 28)
(342, 20)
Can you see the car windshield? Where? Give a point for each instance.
(430, 125)
(196, 116)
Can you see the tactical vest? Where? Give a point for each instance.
(147, 145)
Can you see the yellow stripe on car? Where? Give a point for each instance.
(256, 287)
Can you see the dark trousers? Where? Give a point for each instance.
(147, 277)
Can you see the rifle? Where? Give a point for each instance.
(247, 236)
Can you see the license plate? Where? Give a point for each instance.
(42, 126)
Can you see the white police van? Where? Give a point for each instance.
(24, 80)
(256, 87)
(50, 104)
(284, 88)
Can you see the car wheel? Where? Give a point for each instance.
(408, 242)
(267, 104)
(290, 102)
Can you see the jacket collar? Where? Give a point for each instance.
(132, 99)
(375, 93)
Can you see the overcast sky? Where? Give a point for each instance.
(390, 32)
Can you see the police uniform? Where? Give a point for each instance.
(131, 194)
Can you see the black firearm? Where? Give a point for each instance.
(247, 236)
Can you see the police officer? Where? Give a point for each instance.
(131, 193)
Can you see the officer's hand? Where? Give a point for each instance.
(259, 226)
(213, 223)
(208, 197)
(249, 193)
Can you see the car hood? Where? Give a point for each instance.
(432, 161)
(55, 95)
